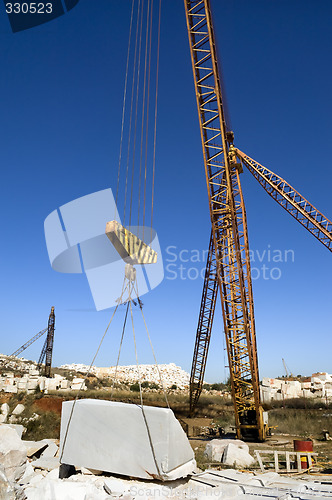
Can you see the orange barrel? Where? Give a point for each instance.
(303, 446)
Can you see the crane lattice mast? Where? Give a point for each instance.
(47, 350)
(230, 250)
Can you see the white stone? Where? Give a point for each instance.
(47, 463)
(57, 489)
(18, 428)
(236, 457)
(18, 409)
(53, 474)
(215, 448)
(29, 472)
(21, 385)
(32, 384)
(5, 409)
(113, 437)
(12, 450)
(41, 383)
(115, 487)
(52, 384)
(32, 447)
(11, 388)
(33, 372)
(51, 449)
(6, 490)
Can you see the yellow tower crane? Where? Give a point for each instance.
(228, 263)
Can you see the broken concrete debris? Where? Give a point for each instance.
(126, 439)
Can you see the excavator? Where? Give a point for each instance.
(228, 269)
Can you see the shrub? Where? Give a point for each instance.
(46, 426)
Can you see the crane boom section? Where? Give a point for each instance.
(27, 344)
(291, 200)
(228, 221)
(204, 327)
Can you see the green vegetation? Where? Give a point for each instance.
(300, 422)
(47, 425)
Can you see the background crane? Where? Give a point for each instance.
(47, 350)
(228, 263)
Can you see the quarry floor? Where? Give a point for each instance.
(208, 418)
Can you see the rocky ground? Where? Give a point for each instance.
(29, 470)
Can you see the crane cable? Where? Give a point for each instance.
(154, 356)
(124, 288)
(155, 119)
(131, 110)
(130, 287)
(136, 111)
(147, 74)
(141, 396)
(124, 104)
(140, 62)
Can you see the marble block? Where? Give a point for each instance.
(119, 438)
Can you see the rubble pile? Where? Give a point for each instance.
(170, 373)
(16, 364)
(30, 470)
(319, 385)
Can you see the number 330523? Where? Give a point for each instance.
(29, 8)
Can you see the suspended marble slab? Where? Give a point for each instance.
(130, 247)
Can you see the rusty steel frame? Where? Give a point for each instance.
(228, 219)
(291, 200)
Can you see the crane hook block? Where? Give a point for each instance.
(131, 249)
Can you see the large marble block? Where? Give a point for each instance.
(119, 438)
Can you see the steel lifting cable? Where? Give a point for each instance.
(147, 39)
(124, 105)
(124, 288)
(139, 110)
(131, 109)
(120, 347)
(147, 119)
(155, 120)
(141, 396)
(154, 356)
(136, 112)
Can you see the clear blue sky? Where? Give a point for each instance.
(61, 90)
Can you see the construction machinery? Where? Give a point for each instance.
(228, 264)
(47, 350)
